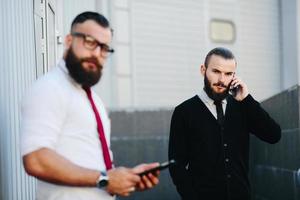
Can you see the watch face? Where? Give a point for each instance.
(103, 180)
(103, 183)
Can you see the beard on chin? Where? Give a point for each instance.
(77, 71)
(211, 93)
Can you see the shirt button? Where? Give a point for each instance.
(227, 160)
(228, 176)
(225, 145)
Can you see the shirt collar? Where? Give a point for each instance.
(204, 97)
(62, 65)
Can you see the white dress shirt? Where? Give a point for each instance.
(209, 103)
(57, 114)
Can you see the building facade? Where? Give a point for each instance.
(160, 45)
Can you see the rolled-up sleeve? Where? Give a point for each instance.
(43, 113)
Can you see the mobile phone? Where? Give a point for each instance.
(161, 166)
(233, 91)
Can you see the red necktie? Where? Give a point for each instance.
(106, 156)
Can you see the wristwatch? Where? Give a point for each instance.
(102, 180)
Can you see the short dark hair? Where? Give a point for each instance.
(89, 15)
(219, 51)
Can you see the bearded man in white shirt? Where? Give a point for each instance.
(60, 143)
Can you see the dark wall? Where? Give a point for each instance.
(274, 167)
(142, 137)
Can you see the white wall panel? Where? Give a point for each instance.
(73, 8)
(124, 92)
(122, 24)
(123, 60)
(17, 72)
(168, 41)
(121, 3)
(259, 56)
(171, 39)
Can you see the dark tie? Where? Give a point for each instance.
(220, 114)
(106, 156)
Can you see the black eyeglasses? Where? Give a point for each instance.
(91, 43)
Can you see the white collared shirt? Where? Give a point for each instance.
(209, 103)
(57, 114)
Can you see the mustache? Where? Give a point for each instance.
(92, 60)
(219, 84)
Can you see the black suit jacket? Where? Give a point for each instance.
(212, 160)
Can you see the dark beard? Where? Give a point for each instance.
(211, 93)
(77, 71)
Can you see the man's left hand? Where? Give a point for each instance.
(242, 92)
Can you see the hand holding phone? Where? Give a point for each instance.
(161, 166)
(233, 91)
(238, 89)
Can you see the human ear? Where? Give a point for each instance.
(68, 41)
(203, 70)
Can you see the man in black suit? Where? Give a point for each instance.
(212, 149)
